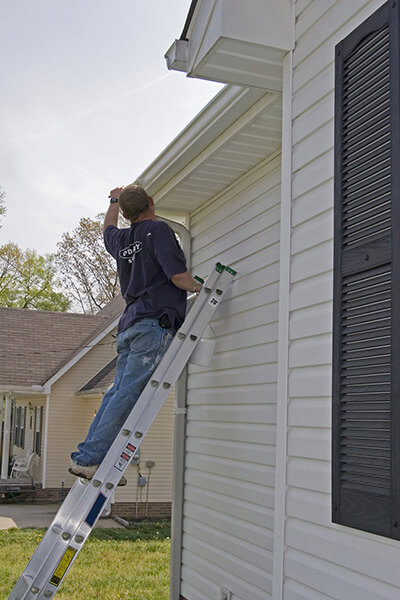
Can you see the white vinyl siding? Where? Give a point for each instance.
(322, 561)
(230, 443)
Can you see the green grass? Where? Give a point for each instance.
(131, 564)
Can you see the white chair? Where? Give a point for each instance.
(21, 466)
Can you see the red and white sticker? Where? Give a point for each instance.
(125, 457)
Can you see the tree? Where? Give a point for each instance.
(28, 280)
(2, 203)
(88, 273)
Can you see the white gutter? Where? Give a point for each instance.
(283, 334)
(34, 390)
(6, 438)
(45, 441)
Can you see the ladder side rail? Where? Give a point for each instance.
(86, 495)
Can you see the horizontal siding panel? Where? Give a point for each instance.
(314, 174)
(253, 493)
(197, 587)
(312, 262)
(266, 297)
(314, 382)
(263, 353)
(336, 581)
(316, 350)
(213, 572)
(239, 509)
(313, 119)
(253, 336)
(345, 548)
(304, 412)
(256, 279)
(313, 145)
(250, 186)
(314, 203)
(259, 434)
(306, 442)
(293, 590)
(320, 86)
(254, 317)
(242, 376)
(308, 322)
(249, 532)
(238, 548)
(307, 505)
(309, 474)
(262, 207)
(259, 474)
(316, 231)
(259, 394)
(224, 240)
(247, 415)
(253, 453)
(245, 571)
(235, 247)
(323, 26)
(310, 292)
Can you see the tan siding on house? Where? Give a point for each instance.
(322, 561)
(70, 417)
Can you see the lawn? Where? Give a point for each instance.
(131, 564)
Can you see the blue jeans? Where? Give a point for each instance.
(140, 348)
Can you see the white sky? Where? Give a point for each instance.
(87, 103)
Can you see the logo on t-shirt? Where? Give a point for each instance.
(129, 253)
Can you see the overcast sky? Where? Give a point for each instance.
(87, 103)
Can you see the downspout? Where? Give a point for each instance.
(45, 441)
(179, 448)
(283, 335)
(6, 439)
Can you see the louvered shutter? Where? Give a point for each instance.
(366, 327)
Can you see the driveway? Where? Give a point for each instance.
(37, 515)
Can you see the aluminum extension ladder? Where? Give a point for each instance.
(84, 503)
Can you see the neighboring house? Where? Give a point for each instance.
(263, 507)
(54, 370)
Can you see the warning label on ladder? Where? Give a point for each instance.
(125, 456)
(63, 565)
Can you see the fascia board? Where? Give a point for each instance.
(67, 366)
(218, 115)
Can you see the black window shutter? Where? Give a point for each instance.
(366, 309)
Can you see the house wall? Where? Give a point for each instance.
(322, 560)
(230, 456)
(70, 417)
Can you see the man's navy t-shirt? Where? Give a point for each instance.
(148, 255)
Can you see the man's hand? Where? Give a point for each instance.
(116, 192)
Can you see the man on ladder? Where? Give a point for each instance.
(154, 280)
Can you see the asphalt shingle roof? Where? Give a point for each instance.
(35, 344)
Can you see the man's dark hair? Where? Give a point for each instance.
(134, 201)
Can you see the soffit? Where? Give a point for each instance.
(243, 144)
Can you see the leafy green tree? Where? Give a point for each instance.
(87, 271)
(28, 280)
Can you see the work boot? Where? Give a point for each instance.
(88, 472)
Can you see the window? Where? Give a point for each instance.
(366, 326)
(37, 434)
(19, 426)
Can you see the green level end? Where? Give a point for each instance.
(199, 279)
(219, 267)
(231, 271)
